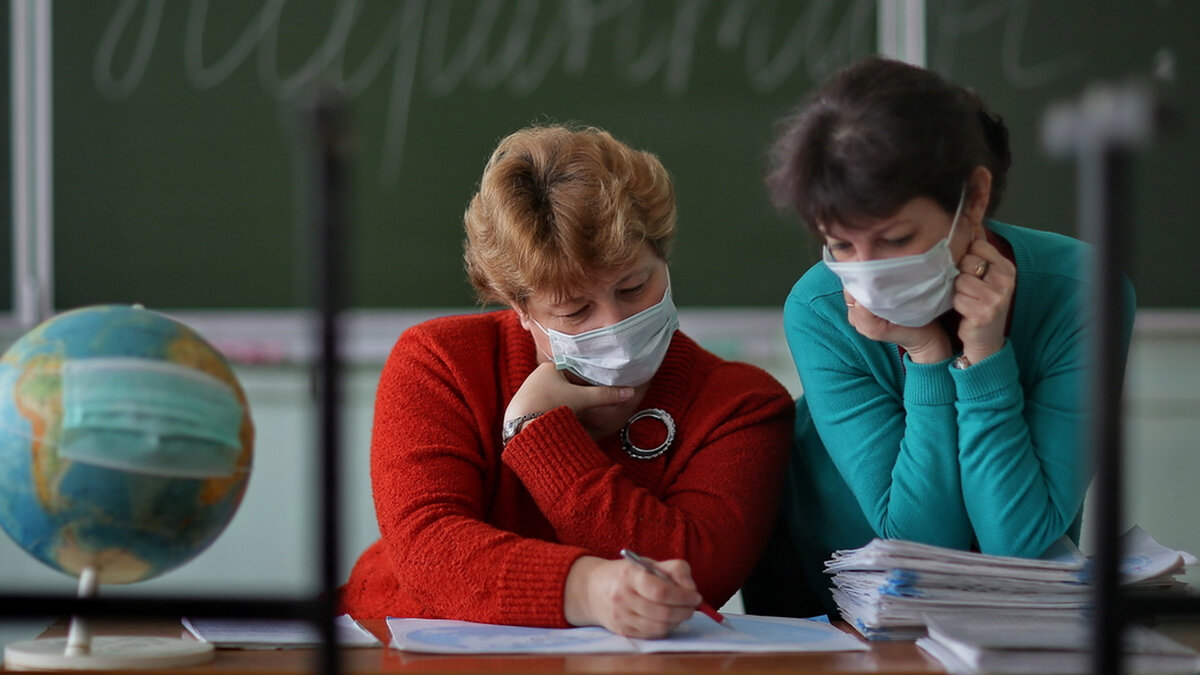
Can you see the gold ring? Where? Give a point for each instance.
(981, 269)
(851, 305)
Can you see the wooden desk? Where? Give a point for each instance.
(898, 657)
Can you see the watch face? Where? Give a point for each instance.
(510, 429)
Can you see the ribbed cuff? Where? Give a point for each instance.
(989, 377)
(928, 383)
(533, 582)
(552, 452)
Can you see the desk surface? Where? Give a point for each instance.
(899, 657)
(883, 657)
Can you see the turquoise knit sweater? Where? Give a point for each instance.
(987, 457)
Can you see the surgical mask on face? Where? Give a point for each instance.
(625, 354)
(908, 291)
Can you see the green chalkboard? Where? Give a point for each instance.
(180, 182)
(1023, 56)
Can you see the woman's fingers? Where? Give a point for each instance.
(982, 261)
(660, 604)
(982, 296)
(547, 388)
(630, 601)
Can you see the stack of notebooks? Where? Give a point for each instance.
(1006, 642)
(886, 588)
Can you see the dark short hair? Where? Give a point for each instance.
(877, 134)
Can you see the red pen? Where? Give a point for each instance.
(650, 567)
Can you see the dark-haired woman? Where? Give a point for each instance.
(942, 353)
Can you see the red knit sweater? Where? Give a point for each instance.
(476, 531)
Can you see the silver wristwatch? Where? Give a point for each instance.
(511, 427)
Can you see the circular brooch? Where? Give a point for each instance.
(649, 453)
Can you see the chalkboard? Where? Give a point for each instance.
(180, 181)
(1023, 56)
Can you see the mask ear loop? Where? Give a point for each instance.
(977, 228)
(962, 202)
(536, 347)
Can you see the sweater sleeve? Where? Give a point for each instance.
(893, 441)
(1024, 473)
(718, 497)
(430, 474)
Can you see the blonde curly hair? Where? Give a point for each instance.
(557, 205)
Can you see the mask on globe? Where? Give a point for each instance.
(908, 291)
(625, 354)
(149, 417)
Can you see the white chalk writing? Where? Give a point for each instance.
(510, 45)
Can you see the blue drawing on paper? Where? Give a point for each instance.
(493, 639)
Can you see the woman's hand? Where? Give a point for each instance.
(628, 600)
(982, 295)
(924, 344)
(547, 388)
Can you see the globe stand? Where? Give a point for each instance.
(81, 651)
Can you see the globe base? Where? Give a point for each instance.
(109, 653)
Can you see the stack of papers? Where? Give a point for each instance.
(1014, 643)
(738, 633)
(885, 588)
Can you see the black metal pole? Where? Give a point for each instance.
(1098, 132)
(1102, 208)
(329, 235)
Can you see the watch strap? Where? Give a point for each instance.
(511, 427)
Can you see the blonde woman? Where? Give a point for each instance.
(516, 452)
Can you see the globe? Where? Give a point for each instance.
(125, 443)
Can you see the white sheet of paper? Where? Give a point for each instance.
(275, 633)
(753, 634)
(1144, 559)
(698, 634)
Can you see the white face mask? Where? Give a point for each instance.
(625, 354)
(908, 291)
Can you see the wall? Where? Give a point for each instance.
(1162, 444)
